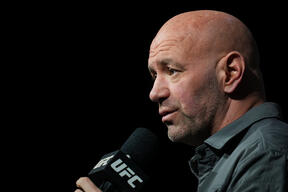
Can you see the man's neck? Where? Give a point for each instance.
(234, 109)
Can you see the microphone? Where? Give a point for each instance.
(125, 170)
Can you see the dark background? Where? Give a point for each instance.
(82, 84)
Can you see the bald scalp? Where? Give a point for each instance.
(211, 33)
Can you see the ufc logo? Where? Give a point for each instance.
(123, 170)
(103, 162)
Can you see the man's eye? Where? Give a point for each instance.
(154, 76)
(172, 71)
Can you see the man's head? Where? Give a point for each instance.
(202, 63)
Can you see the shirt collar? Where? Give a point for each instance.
(265, 110)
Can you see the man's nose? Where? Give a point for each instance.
(159, 91)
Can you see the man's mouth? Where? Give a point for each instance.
(167, 114)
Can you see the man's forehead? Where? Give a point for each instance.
(183, 24)
(166, 37)
(162, 46)
(194, 23)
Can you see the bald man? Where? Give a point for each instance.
(210, 92)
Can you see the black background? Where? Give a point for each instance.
(81, 84)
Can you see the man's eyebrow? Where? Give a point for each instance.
(170, 62)
(164, 63)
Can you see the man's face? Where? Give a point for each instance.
(185, 88)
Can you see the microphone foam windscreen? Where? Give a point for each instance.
(142, 146)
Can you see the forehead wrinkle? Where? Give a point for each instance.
(162, 46)
(155, 45)
(154, 53)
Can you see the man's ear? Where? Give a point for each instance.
(230, 71)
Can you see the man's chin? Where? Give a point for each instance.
(174, 133)
(181, 135)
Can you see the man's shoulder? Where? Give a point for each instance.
(263, 151)
(270, 134)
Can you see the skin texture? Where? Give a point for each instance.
(85, 184)
(202, 63)
(205, 67)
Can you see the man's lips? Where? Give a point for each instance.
(167, 114)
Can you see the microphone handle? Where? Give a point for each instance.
(107, 186)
